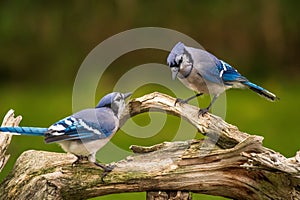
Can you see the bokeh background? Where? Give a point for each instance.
(43, 43)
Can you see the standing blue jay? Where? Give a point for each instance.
(84, 132)
(202, 72)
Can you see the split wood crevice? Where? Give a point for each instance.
(237, 166)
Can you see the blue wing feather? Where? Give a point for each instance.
(230, 74)
(213, 69)
(77, 131)
(207, 65)
(74, 128)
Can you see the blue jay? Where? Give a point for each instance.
(85, 132)
(202, 72)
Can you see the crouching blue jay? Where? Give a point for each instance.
(85, 132)
(202, 72)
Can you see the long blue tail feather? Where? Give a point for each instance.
(34, 131)
(261, 91)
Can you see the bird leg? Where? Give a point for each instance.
(178, 100)
(202, 111)
(106, 169)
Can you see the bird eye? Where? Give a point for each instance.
(179, 60)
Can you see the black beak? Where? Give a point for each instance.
(126, 95)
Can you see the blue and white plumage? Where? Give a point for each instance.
(202, 72)
(85, 132)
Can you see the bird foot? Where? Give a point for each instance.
(202, 111)
(178, 100)
(79, 160)
(106, 169)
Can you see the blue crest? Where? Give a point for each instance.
(107, 100)
(178, 49)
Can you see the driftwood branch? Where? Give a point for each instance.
(238, 166)
(9, 120)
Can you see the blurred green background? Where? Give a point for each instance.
(43, 43)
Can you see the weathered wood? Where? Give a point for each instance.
(9, 120)
(238, 167)
(214, 127)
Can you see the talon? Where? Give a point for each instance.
(79, 159)
(186, 100)
(202, 112)
(178, 100)
(106, 169)
(75, 163)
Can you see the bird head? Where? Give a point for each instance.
(114, 101)
(175, 58)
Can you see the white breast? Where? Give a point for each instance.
(80, 148)
(196, 83)
(87, 148)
